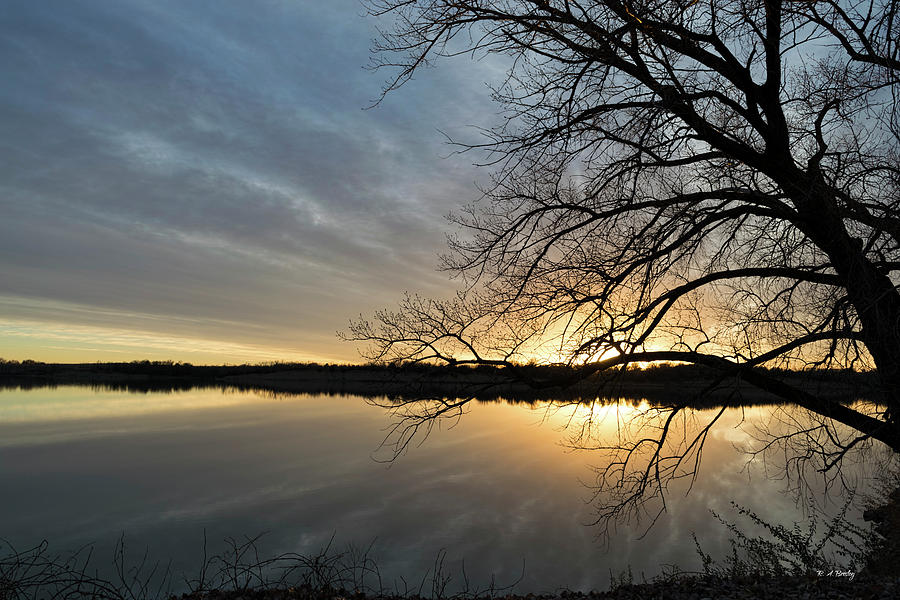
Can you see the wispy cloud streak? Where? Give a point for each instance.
(211, 160)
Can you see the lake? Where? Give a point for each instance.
(499, 489)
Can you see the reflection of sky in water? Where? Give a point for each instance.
(500, 487)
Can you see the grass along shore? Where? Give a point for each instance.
(780, 562)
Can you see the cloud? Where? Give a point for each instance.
(213, 158)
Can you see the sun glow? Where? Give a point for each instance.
(599, 412)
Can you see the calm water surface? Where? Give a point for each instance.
(498, 489)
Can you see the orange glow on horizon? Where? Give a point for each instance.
(51, 342)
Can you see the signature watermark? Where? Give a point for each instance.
(849, 575)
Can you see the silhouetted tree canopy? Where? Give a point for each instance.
(707, 181)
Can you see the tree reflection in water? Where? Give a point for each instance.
(648, 449)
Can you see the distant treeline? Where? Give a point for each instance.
(155, 368)
(662, 373)
(523, 382)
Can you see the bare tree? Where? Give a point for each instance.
(707, 181)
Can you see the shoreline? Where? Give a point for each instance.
(684, 587)
(696, 386)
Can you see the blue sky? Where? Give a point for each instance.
(200, 181)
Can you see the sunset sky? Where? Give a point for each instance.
(199, 181)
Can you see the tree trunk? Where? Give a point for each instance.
(872, 293)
